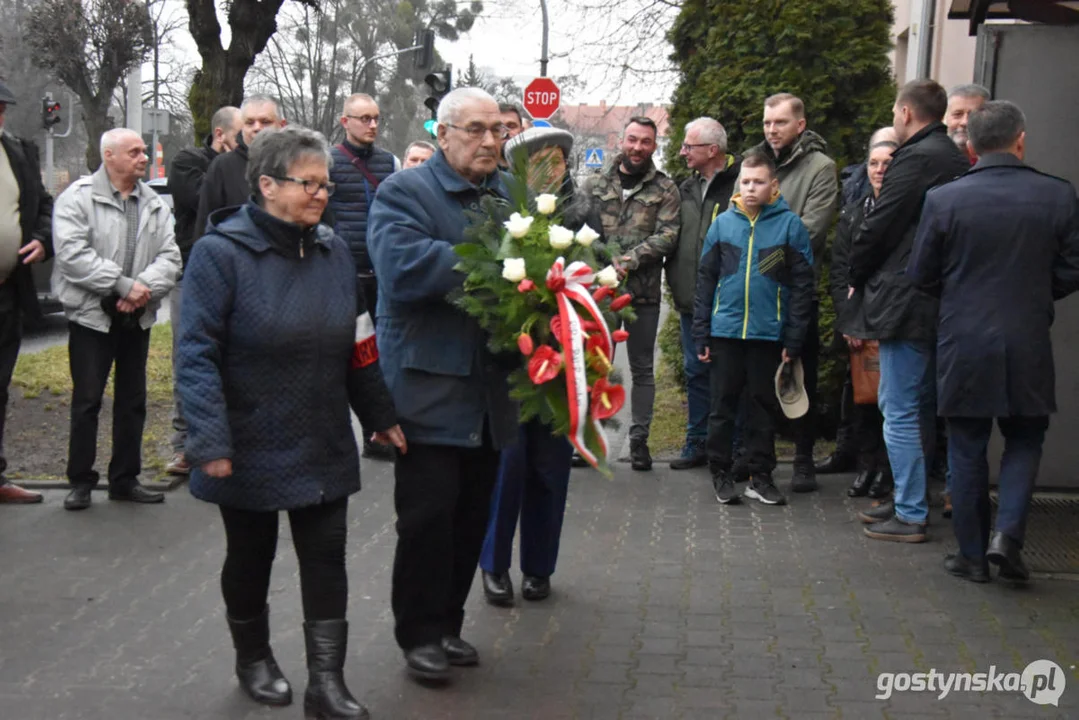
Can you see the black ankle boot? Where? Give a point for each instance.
(882, 486)
(327, 697)
(862, 482)
(259, 675)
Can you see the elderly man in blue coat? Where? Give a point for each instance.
(450, 392)
(998, 246)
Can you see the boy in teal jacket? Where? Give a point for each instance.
(753, 303)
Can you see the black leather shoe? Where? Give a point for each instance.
(693, 455)
(78, 498)
(834, 464)
(460, 653)
(1004, 552)
(137, 494)
(256, 669)
(535, 588)
(882, 486)
(862, 482)
(428, 662)
(896, 530)
(878, 512)
(965, 568)
(640, 457)
(498, 588)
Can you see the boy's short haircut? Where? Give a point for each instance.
(756, 158)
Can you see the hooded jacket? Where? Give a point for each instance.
(268, 363)
(808, 181)
(698, 213)
(225, 185)
(756, 278)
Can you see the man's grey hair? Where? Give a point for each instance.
(995, 127)
(224, 118)
(262, 100)
(111, 138)
(709, 131)
(420, 143)
(450, 107)
(969, 91)
(883, 136)
(273, 152)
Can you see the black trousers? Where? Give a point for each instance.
(805, 427)
(442, 497)
(743, 367)
(91, 356)
(868, 426)
(10, 338)
(318, 534)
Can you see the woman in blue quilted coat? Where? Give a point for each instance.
(271, 357)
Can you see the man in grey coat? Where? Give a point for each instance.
(998, 246)
(809, 183)
(704, 196)
(116, 260)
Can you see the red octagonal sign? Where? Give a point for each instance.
(541, 98)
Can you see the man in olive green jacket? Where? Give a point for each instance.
(705, 195)
(639, 208)
(810, 184)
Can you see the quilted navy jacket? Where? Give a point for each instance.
(269, 363)
(351, 203)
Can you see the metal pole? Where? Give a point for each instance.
(134, 100)
(543, 49)
(50, 176)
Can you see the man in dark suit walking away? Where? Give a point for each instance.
(998, 246)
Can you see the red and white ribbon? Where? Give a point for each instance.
(570, 285)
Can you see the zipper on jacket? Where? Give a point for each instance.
(749, 268)
(719, 289)
(301, 248)
(779, 305)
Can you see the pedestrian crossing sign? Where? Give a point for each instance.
(593, 157)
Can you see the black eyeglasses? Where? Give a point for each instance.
(477, 132)
(364, 119)
(688, 146)
(309, 186)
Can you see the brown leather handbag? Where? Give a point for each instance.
(865, 372)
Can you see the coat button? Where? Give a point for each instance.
(474, 437)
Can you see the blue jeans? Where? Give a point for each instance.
(697, 384)
(533, 478)
(907, 397)
(968, 439)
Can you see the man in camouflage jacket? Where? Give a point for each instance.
(639, 207)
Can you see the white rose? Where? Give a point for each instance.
(607, 277)
(586, 236)
(517, 226)
(560, 237)
(546, 203)
(513, 269)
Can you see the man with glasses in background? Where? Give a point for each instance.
(450, 392)
(358, 169)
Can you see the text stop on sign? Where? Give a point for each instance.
(542, 98)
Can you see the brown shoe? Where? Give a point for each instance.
(178, 465)
(12, 494)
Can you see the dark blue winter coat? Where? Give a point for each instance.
(445, 382)
(351, 201)
(997, 246)
(267, 363)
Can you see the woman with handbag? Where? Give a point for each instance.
(874, 472)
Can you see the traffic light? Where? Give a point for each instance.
(425, 56)
(50, 112)
(439, 82)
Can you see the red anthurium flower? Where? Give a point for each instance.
(620, 336)
(601, 293)
(524, 342)
(544, 365)
(589, 325)
(556, 327)
(607, 399)
(620, 302)
(526, 285)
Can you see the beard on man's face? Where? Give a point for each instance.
(635, 168)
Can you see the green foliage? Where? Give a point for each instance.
(508, 311)
(670, 346)
(831, 53)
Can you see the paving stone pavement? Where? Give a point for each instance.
(665, 605)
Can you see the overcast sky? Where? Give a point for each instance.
(506, 40)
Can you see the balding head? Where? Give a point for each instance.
(225, 125)
(124, 155)
(470, 132)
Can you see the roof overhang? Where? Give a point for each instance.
(1048, 12)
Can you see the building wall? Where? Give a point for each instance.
(953, 54)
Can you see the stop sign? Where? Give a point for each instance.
(541, 98)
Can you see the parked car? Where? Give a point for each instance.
(42, 272)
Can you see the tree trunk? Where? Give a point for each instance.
(96, 121)
(215, 85)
